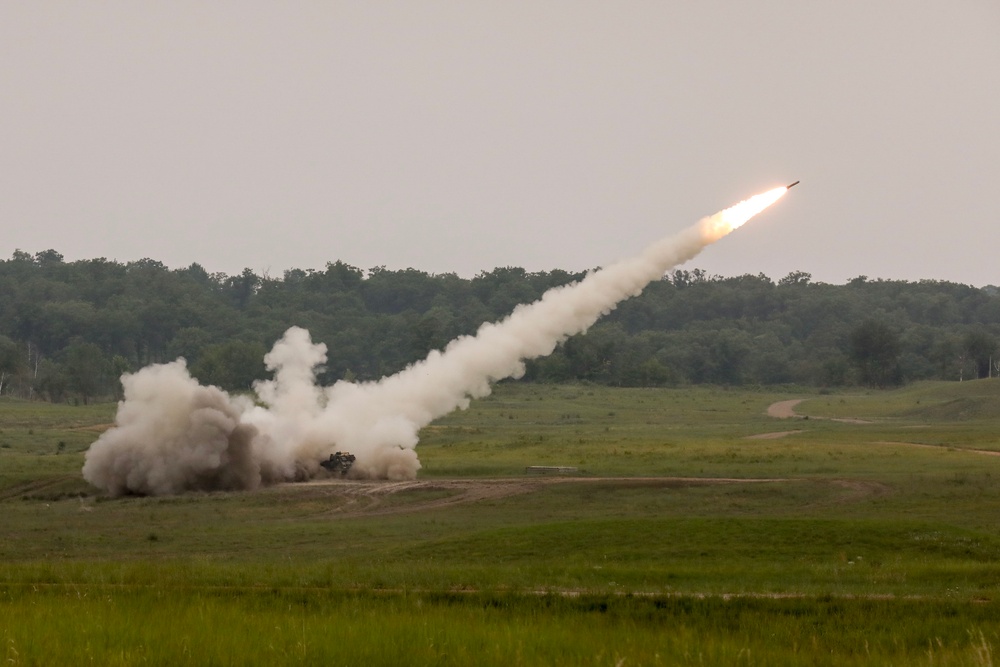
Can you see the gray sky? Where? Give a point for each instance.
(460, 136)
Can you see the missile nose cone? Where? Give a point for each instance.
(792, 185)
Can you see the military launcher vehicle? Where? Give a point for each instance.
(339, 463)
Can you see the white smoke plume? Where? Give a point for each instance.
(173, 435)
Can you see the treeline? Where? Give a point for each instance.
(68, 330)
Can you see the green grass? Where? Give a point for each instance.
(859, 548)
(116, 626)
(921, 401)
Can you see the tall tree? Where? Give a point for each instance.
(11, 360)
(86, 370)
(980, 345)
(233, 365)
(875, 351)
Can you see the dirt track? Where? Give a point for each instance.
(947, 448)
(34, 487)
(375, 498)
(786, 410)
(774, 435)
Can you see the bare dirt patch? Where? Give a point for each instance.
(784, 409)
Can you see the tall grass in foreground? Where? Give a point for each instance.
(127, 626)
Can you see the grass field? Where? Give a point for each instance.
(692, 534)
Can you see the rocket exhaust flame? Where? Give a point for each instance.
(735, 216)
(173, 435)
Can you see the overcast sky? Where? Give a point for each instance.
(460, 136)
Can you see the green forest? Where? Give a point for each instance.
(68, 330)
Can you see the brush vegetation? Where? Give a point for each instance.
(682, 539)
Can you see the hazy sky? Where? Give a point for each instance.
(459, 136)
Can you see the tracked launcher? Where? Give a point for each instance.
(339, 463)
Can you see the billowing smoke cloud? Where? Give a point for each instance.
(172, 434)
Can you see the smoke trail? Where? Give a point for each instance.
(172, 434)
